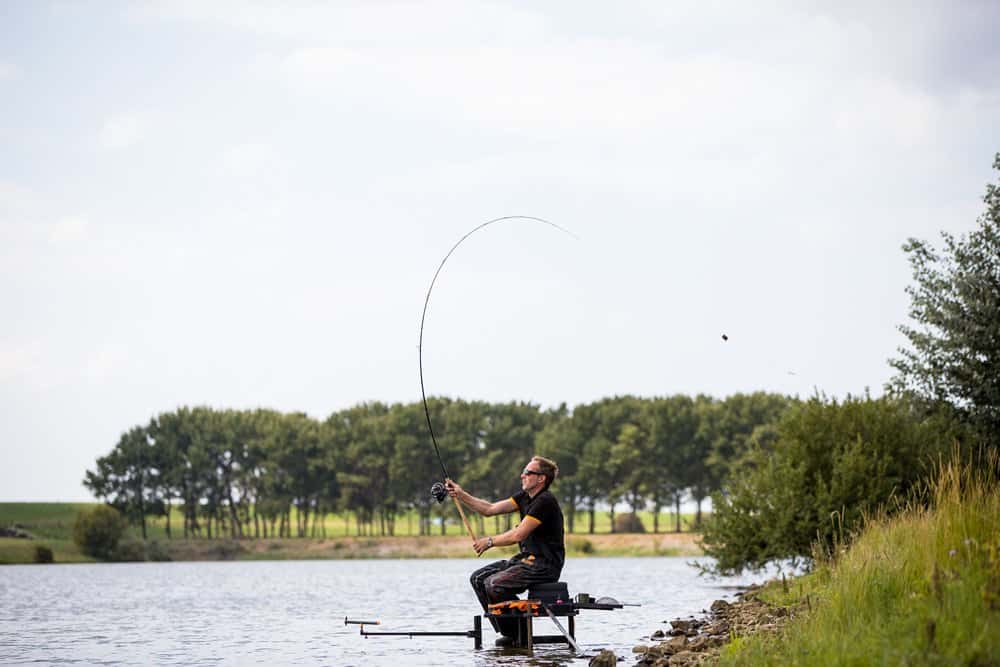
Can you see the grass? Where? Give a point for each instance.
(51, 524)
(43, 520)
(16, 550)
(55, 520)
(921, 588)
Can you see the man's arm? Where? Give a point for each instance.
(516, 534)
(479, 505)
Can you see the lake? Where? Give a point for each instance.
(292, 612)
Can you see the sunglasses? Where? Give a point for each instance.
(532, 472)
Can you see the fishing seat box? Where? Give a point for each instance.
(555, 595)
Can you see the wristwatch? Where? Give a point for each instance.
(489, 542)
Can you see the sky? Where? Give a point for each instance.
(242, 205)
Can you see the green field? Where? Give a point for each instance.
(51, 524)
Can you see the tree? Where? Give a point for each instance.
(730, 424)
(954, 354)
(560, 441)
(367, 449)
(413, 466)
(677, 463)
(631, 461)
(125, 477)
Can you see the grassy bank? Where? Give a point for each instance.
(922, 588)
(51, 525)
(683, 544)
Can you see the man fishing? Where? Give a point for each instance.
(539, 536)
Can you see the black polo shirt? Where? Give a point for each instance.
(545, 542)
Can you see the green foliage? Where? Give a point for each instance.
(916, 588)
(831, 464)
(954, 354)
(98, 531)
(212, 473)
(43, 554)
(133, 550)
(129, 551)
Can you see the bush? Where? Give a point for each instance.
(156, 552)
(628, 522)
(98, 531)
(43, 554)
(831, 465)
(580, 545)
(227, 550)
(129, 551)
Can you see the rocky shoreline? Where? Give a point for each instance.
(696, 641)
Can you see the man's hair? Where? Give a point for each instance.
(548, 467)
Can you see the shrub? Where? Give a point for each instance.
(628, 522)
(580, 545)
(98, 531)
(156, 552)
(43, 554)
(129, 551)
(227, 550)
(832, 464)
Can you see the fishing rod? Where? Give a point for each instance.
(438, 490)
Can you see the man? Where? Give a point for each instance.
(539, 536)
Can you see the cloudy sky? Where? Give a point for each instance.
(243, 204)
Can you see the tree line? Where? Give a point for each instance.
(263, 473)
(789, 479)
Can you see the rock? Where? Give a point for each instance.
(683, 658)
(698, 644)
(717, 628)
(720, 607)
(605, 658)
(15, 531)
(674, 645)
(682, 626)
(640, 649)
(697, 640)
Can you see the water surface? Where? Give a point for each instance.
(292, 612)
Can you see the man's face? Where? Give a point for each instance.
(532, 479)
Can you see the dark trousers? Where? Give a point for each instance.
(504, 579)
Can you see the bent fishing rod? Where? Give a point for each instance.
(438, 490)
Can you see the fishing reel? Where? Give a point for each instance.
(438, 492)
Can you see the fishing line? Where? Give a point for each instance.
(423, 316)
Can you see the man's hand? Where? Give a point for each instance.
(452, 487)
(482, 544)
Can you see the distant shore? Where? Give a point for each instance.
(631, 544)
(50, 525)
(21, 550)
